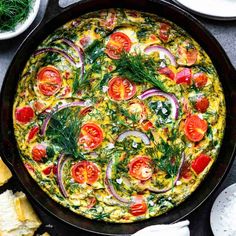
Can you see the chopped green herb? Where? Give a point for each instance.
(139, 69)
(13, 12)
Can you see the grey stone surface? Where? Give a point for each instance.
(225, 33)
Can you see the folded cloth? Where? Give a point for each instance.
(177, 229)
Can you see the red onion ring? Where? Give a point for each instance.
(173, 100)
(137, 134)
(164, 51)
(55, 50)
(60, 165)
(110, 187)
(59, 108)
(156, 190)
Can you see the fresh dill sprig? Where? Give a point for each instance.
(63, 131)
(13, 12)
(139, 68)
(169, 161)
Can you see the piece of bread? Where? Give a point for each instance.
(5, 173)
(17, 217)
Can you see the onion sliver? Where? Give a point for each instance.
(157, 190)
(173, 100)
(59, 108)
(162, 52)
(134, 133)
(78, 50)
(58, 51)
(110, 187)
(60, 166)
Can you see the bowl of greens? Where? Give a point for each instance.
(16, 16)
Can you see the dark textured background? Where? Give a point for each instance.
(225, 33)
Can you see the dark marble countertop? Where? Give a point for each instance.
(225, 33)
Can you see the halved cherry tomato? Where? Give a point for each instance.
(164, 32)
(117, 43)
(195, 128)
(167, 72)
(48, 170)
(24, 115)
(49, 80)
(85, 172)
(200, 163)
(121, 89)
(140, 168)
(184, 76)
(91, 136)
(39, 152)
(187, 54)
(200, 79)
(202, 104)
(32, 133)
(147, 125)
(138, 207)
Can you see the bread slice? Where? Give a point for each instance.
(17, 217)
(5, 173)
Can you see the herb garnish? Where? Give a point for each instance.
(12, 12)
(63, 131)
(170, 160)
(139, 68)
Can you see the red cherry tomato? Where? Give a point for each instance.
(39, 152)
(48, 170)
(140, 168)
(184, 76)
(202, 104)
(200, 163)
(24, 115)
(85, 172)
(167, 72)
(147, 125)
(195, 128)
(91, 136)
(138, 207)
(118, 43)
(32, 133)
(164, 32)
(121, 89)
(49, 80)
(200, 80)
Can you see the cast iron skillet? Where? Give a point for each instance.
(55, 17)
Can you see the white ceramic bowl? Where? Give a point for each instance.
(22, 26)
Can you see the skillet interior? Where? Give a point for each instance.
(166, 10)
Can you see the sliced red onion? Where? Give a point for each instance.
(110, 187)
(134, 133)
(60, 166)
(78, 50)
(173, 100)
(59, 108)
(55, 50)
(157, 190)
(162, 52)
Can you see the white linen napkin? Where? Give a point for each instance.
(177, 229)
